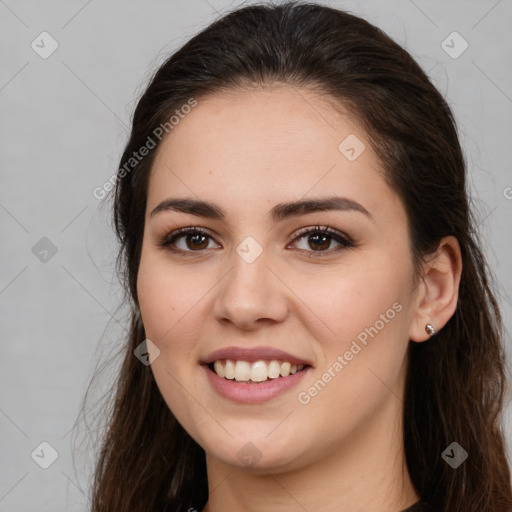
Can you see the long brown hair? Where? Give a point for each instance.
(456, 381)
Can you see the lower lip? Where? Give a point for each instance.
(253, 393)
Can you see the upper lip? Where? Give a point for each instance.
(253, 354)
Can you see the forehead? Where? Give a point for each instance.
(262, 146)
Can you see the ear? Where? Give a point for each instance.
(438, 291)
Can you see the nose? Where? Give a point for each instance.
(251, 294)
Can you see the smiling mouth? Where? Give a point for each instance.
(254, 372)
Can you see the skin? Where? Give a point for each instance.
(247, 151)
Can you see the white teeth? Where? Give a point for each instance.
(259, 371)
(229, 369)
(285, 368)
(219, 369)
(242, 370)
(273, 369)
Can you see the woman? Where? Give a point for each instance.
(312, 315)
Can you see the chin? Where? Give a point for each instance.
(258, 454)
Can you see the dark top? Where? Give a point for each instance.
(420, 506)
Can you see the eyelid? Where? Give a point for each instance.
(341, 238)
(170, 237)
(327, 230)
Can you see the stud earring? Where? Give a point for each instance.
(430, 329)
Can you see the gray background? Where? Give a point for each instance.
(63, 123)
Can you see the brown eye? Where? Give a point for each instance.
(320, 239)
(319, 242)
(195, 240)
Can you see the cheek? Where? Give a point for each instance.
(356, 296)
(366, 342)
(170, 302)
(365, 316)
(172, 299)
(158, 289)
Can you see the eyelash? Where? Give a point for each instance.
(345, 242)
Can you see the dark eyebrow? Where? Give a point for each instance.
(278, 213)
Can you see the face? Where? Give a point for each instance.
(256, 283)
